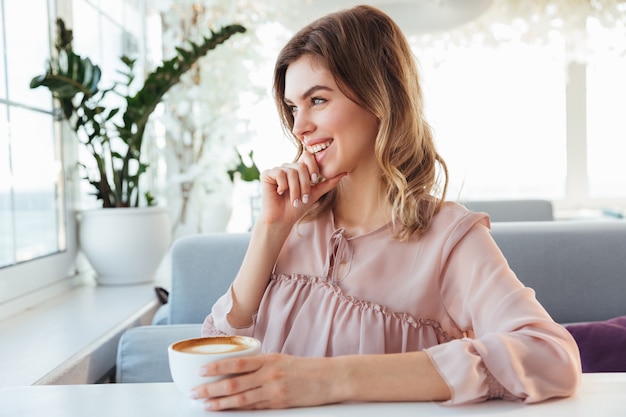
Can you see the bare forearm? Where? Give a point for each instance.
(282, 381)
(256, 268)
(392, 377)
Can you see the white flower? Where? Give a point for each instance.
(204, 116)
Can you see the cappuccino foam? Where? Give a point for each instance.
(214, 348)
(212, 345)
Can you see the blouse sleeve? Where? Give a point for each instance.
(513, 349)
(216, 323)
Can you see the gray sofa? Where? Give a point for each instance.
(577, 268)
(526, 210)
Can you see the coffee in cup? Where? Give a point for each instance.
(186, 357)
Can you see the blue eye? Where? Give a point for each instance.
(318, 100)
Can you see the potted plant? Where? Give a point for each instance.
(113, 136)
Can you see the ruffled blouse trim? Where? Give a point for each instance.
(442, 335)
(343, 324)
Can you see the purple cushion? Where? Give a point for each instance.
(602, 344)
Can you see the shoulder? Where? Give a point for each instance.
(452, 212)
(454, 221)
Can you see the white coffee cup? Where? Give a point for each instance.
(186, 357)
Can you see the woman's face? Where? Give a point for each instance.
(338, 132)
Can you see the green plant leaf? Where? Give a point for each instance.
(246, 172)
(74, 81)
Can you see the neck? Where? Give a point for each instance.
(360, 208)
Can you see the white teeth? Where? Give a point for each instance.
(318, 147)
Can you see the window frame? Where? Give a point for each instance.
(37, 274)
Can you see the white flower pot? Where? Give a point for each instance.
(125, 245)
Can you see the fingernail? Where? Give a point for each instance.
(314, 177)
(296, 202)
(193, 394)
(207, 406)
(305, 198)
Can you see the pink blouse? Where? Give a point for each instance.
(450, 293)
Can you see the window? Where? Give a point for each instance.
(33, 216)
(606, 128)
(498, 117)
(535, 115)
(38, 170)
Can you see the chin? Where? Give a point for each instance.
(327, 173)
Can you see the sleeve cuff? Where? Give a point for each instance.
(465, 373)
(216, 323)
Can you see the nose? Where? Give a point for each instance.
(302, 124)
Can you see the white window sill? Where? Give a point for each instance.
(72, 337)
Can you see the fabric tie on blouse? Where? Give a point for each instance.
(339, 256)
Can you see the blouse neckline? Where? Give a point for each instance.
(348, 236)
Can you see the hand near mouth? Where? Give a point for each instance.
(289, 190)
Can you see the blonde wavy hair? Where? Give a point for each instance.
(372, 63)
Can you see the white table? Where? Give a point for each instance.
(601, 395)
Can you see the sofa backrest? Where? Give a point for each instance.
(527, 210)
(577, 268)
(203, 267)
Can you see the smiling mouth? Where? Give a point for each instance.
(318, 147)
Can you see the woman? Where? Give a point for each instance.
(360, 281)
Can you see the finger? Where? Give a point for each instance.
(231, 385)
(237, 379)
(232, 366)
(295, 190)
(304, 173)
(299, 182)
(308, 159)
(234, 392)
(276, 177)
(325, 186)
(249, 400)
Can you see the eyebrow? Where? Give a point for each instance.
(310, 92)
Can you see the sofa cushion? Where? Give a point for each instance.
(142, 352)
(602, 344)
